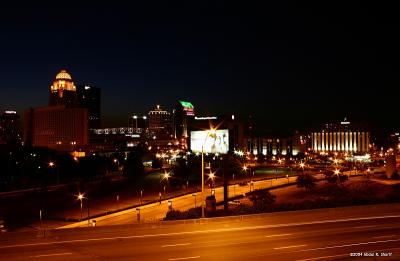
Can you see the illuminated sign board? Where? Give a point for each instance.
(205, 118)
(217, 142)
(187, 107)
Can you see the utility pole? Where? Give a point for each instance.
(224, 170)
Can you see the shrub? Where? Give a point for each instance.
(306, 181)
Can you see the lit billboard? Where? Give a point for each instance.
(217, 142)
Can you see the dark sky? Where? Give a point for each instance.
(288, 64)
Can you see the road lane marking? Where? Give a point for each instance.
(384, 236)
(58, 254)
(183, 258)
(279, 235)
(204, 231)
(183, 244)
(285, 247)
(365, 226)
(350, 245)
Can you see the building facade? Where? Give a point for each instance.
(183, 115)
(160, 120)
(272, 146)
(341, 137)
(10, 128)
(89, 97)
(56, 127)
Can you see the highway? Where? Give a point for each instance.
(325, 234)
(155, 211)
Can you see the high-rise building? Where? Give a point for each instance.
(159, 120)
(63, 90)
(183, 115)
(10, 128)
(89, 97)
(56, 127)
(63, 125)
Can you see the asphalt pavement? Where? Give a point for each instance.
(371, 232)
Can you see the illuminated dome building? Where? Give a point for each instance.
(63, 90)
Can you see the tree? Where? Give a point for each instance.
(262, 199)
(234, 164)
(181, 170)
(93, 166)
(156, 163)
(306, 181)
(333, 178)
(133, 166)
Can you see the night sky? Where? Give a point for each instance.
(290, 65)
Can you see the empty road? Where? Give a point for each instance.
(325, 234)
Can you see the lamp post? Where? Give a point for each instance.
(52, 165)
(145, 118)
(337, 172)
(135, 117)
(194, 195)
(211, 131)
(233, 177)
(80, 197)
(302, 167)
(212, 177)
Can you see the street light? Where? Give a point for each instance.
(81, 197)
(135, 117)
(212, 177)
(337, 172)
(52, 165)
(302, 166)
(212, 132)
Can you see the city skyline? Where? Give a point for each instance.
(289, 67)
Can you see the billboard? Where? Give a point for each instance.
(217, 142)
